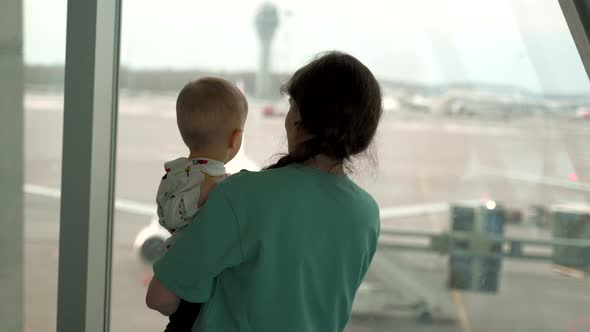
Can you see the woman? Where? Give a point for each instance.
(286, 249)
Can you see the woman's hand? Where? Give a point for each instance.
(207, 186)
(161, 299)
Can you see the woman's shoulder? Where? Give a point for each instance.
(253, 179)
(367, 198)
(366, 201)
(298, 178)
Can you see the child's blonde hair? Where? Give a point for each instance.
(208, 110)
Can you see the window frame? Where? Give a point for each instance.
(89, 155)
(577, 16)
(88, 165)
(12, 165)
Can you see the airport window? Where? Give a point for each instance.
(479, 111)
(41, 29)
(482, 158)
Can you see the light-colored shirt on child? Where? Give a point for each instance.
(179, 191)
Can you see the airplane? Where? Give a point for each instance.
(474, 102)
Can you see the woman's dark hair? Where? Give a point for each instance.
(339, 101)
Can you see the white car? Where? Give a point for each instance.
(150, 242)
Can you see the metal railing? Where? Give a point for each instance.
(511, 247)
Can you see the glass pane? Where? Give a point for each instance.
(44, 55)
(486, 108)
(11, 165)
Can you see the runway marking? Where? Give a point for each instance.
(366, 287)
(42, 191)
(435, 222)
(436, 226)
(568, 272)
(463, 317)
(402, 211)
(468, 129)
(454, 128)
(150, 210)
(399, 211)
(124, 205)
(531, 178)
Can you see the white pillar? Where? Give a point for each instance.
(11, 166)
(88, 165)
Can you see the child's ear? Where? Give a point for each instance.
(236, 138)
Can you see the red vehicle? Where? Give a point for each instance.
(269, 111)
(583, 113)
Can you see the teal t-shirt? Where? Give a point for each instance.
(277, 250)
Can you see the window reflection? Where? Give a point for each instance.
(486, 107)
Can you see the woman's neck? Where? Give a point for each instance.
(326, 164)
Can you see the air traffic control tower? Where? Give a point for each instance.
(267, 22)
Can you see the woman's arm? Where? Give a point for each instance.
(160, 298)
(210, 244)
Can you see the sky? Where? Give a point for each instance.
(523, 43)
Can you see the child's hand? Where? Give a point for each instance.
(207, 186)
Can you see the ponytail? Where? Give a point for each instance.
(302, 153)
(307, 150)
